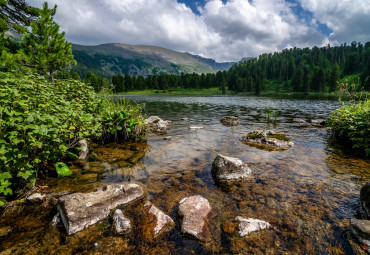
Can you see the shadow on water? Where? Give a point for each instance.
(307, 193)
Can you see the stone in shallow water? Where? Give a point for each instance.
(268, 139)
(229, 168)
(230, 121)
(36, 198)
(247, 226)
(121, 224)
(81, 210)
(157, 125)
(299, 120)
(195, 127)
(361, 230)
(194, 211)
(156, 220)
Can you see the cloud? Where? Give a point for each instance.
(349, 19)
(223, 30)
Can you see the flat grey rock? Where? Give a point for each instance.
(82, 210)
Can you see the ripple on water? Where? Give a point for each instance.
(307, 193)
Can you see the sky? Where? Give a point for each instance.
(224, 30)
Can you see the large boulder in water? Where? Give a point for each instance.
(195, 212)
(157, 125)
(268, 139)
(230, 121)
(229, 168)
(82, 210)
(361, 230)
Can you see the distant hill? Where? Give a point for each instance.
(113, 59)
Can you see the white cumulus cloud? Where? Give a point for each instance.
(225, 31)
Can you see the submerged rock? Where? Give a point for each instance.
(361, 230)
(84, 149)
(230, 121)
(299, 120)
(365, 201)
(121, 225)
(228, 168)
(155, 222)
(157, 125)
(269, 139)
(81, 210)
(194, 211)
(247, 226)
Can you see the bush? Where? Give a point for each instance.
(40, 122)
(122, 121)
(352, 123)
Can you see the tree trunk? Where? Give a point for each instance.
(51, 76)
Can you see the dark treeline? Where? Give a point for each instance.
(302, 70)
(292, 70)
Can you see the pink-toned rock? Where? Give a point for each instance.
(163, 222)
(194, 211)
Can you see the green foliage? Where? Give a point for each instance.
(122, 121)
(40, 122)
(352, 123)
(17, 13)
(45, 48)
(279, 137)
(62, 169)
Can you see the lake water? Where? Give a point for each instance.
(307, 193)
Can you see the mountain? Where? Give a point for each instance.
(113, 59)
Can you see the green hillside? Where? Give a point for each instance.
(120, 59)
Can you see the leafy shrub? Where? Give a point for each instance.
(40, 122)
(122, 121)
(352, 123)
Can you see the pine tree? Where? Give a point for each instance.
(17, 14)
(45, 48)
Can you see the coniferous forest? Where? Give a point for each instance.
(316, 69)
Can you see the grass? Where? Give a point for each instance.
(279, 137)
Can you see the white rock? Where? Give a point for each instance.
(36, 197)
(121, 224)
(247, 226)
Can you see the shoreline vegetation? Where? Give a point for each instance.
(45, 111)
(43, 118)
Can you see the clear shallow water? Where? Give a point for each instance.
(307, 193)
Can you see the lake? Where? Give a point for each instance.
(307, 193)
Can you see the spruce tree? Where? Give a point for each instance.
(45, 48)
